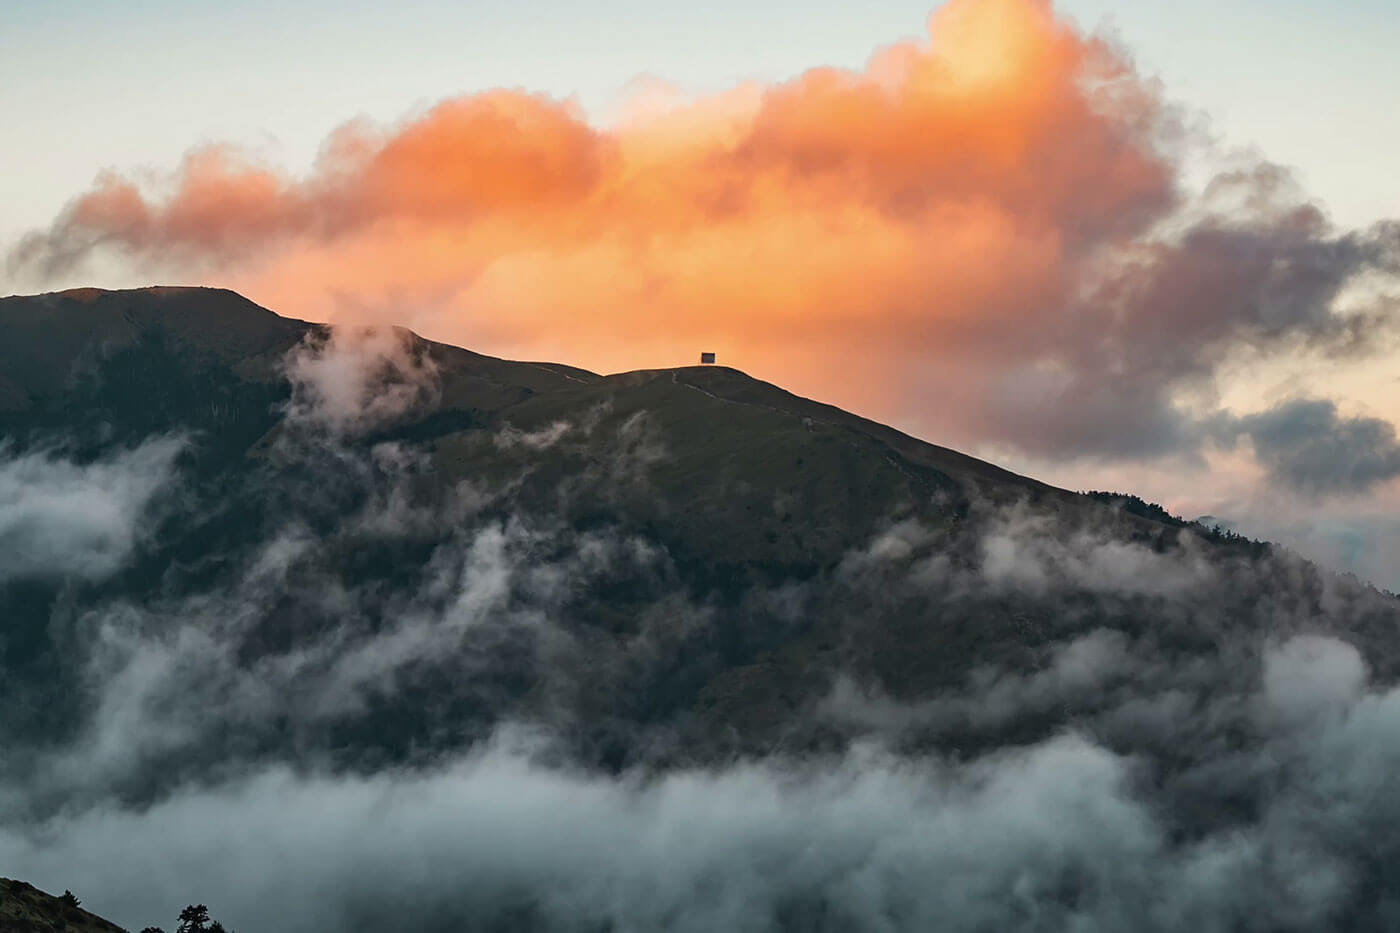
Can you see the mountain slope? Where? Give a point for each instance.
(208, 360)
(741, 486)
(242, 552)
(26, 909)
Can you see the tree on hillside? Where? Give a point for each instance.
(193, 919)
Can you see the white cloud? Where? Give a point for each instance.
(358, 378)
(61, 517)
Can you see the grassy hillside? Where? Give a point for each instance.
(26, 909)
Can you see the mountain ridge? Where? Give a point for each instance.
(43, 309)
(279, 333)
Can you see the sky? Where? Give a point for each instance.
(1139, 246)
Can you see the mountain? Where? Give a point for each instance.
(237, 548)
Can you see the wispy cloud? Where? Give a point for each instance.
(63, 517)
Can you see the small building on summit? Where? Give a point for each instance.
(707, 359)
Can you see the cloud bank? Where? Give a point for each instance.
(1058, 836)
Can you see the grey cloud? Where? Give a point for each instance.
(539, 439)
(1029, 551)
(168, 674)
(1061, 835)
(60, 517)
(1307, 446)
(1365, 544)
(1034, 550)
(872, 844)
(1252, 267)
(1312, 676)
(1077, 673)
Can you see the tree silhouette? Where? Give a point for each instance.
(193, 919)
(69, 899)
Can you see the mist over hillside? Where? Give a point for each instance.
(348, 630)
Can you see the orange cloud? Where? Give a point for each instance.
(946, 236)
